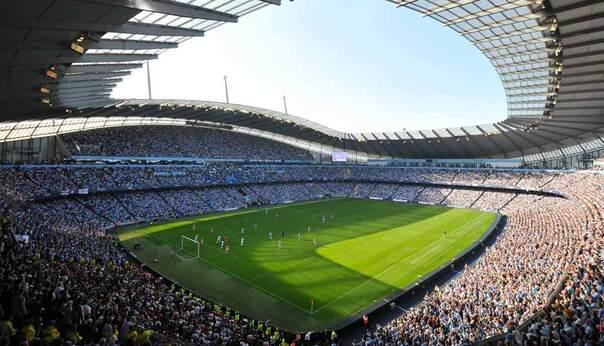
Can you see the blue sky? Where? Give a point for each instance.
(353, 65)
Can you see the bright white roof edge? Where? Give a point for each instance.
(472, 129)
(232, 106)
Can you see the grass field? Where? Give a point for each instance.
(366, 250)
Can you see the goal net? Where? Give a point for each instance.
(189, 247)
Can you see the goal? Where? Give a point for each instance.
(190, 246)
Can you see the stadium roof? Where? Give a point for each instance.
(72, 53)
(549, 55)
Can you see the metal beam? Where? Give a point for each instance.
(101, 68)
(133, 45)
(597, 81)
(87, 84)
(584, 64)
(172, 8)
(83, 89)
(93, 76)
(83, 82)
(272, 2)
(126, 28)
(581, 74)
(82, 101)
(53, 46)
(116, 57)
(157, 30)
(566, 56)
(583, 44)
(69, 92)
(597, 108)
(80, 58)
(565, 127)
(576, 119)
(26, 89)
(581, 19)
(573, 6)
(582, 32)
(70, 98)
(77, 98)
(589, 99)
(586, 118)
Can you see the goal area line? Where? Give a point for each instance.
(188, 258)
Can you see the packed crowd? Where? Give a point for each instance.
(546, 241)
(26, 182)
(433, 195)
(378, 190)
(74, 285)
(108, 210)
(576, 316)
(462, 198)
(178, 141)
(64, 279)
(490, 200)
(408, 193)
(279, 193)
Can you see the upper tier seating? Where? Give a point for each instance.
(178, 141)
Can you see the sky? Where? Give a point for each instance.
(351, 65)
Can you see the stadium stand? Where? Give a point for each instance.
(546, 241)
(69, 243)
(81, 164)
(171, 141)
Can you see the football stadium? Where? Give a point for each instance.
(175, 221)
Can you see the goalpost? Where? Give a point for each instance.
(184, 238)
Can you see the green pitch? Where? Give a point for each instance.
(365, 250)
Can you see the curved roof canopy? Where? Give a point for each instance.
(72, 53)
(548, 54)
